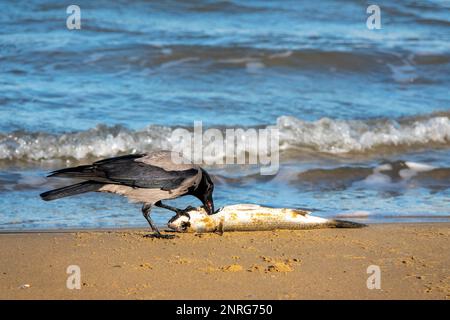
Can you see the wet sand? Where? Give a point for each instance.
(414, 261)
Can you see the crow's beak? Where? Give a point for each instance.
(209, 205)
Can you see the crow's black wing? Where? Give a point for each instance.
(120, 158)
(138, 174)
(125, 170)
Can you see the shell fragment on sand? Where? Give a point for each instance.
(251, 217)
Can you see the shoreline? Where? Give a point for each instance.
(305, 264)
(163, 227)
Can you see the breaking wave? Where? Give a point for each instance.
(359, 136)
(324, 136)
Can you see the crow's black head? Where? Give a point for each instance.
(204, 192)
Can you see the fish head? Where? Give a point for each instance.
(179, 224)
(198, 221)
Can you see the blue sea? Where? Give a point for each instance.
(350, 103)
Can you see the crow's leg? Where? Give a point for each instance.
(179, 212)
(146, 208)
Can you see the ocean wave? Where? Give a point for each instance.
(101, 141)
(357, 136)
(324, 136)
(388, 175)
(216, 57)
(155, 57)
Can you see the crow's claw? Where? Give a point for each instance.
(184, 212)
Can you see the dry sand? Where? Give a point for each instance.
(414, 261)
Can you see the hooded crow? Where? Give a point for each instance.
(143, 178)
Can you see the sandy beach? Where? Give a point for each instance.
(313, 264)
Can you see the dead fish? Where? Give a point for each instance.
(251, 217)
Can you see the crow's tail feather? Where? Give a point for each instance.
(74, 172)
(71, 190)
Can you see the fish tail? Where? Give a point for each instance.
(347, 224)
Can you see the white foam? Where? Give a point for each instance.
(324, 136)
(419, 167)
(377, 179)
(255, 66)
(343, 136)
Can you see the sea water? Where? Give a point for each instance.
(349, 103)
